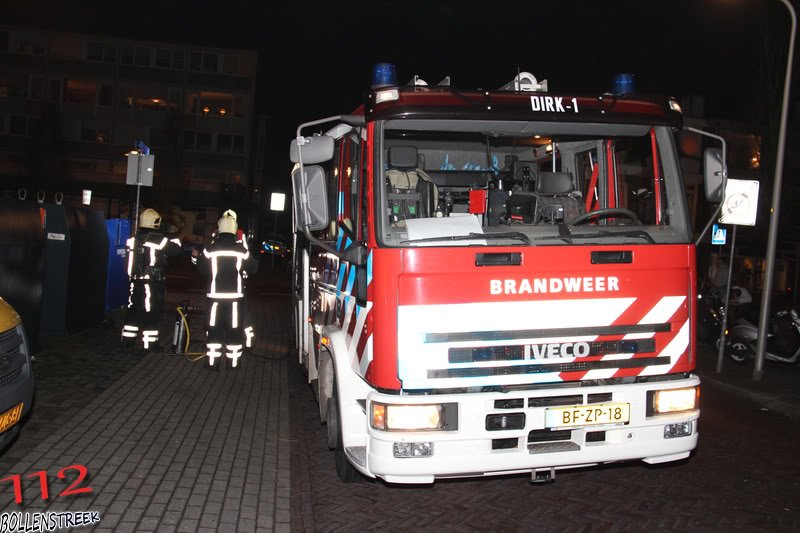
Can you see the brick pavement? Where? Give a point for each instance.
(174, 446)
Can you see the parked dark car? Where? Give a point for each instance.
(16, 374)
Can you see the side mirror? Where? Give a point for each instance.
(713, 174)
(313, 150)
(311, 202)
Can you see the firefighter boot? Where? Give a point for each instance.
(234, 353)
(129, 335)
(213, 353)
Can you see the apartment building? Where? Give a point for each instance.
(72, 106)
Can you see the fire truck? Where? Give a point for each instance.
(496, 281)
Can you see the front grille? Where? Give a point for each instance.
(545, 435)
(517, 352)
(10, 341)
(7, 335)
(11, 376)
(497, 335)
(550, 401)
(505, 444)
(576, 366)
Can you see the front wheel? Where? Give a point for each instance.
(737, 349)
(344, 469)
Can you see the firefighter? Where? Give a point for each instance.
(225, 263)
(147, 264)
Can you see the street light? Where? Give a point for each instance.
(277, 202)
(758, 369)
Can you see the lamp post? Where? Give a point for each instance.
(758, 368)
(277, 202)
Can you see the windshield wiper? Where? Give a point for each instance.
(472, 236)
(567, 237)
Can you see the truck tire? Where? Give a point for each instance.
(346, 472)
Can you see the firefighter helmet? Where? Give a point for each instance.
(227, 225)
(150, 219)
(230, 213)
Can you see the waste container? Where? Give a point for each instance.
(119, 230)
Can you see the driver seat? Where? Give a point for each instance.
(558, 199)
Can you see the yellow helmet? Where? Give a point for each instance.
(230, 213)
(149, 218)
(227, 225)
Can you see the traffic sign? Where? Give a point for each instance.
(741, 203)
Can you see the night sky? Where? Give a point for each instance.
(315, 56)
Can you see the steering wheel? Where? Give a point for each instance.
(605, 213)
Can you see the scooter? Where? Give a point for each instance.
(783, 339)
(711, 308)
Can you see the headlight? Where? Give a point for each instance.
(390, 417)
(673, 400)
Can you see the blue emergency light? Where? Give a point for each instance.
(623, 84)
(383, 75)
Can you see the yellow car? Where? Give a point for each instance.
(16, 373)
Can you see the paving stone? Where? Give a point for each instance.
(168, 442)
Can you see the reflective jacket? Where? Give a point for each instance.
(226, 263)
(147, 255)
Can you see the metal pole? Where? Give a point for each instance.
(274, 238)
(724, 325)
(758, 368)
(138, 188)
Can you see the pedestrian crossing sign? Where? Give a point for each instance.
(718, 235)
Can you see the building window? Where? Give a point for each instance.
(106, 97)
(80, 91)
(37, 89)
(158, 137)
(203, 142)
(95, 135)
(21, 125)
(210, 62)
(18, 125)
(164, 58)
(230, 144)
(30, 45)
(197, 141)
(230, 64)
(177, 59)
(142, 56)
(126, 56)
(204, 61)
(100, 52)
(55, 91)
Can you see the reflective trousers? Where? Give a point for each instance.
(145, 308)
(227, 333)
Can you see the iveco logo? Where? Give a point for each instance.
(557, 351)
(4, 362)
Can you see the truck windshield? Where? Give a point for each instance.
(479, 183)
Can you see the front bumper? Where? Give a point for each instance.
(16, 380)
(472, 450)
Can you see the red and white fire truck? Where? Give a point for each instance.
(495, 282)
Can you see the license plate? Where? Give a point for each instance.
(588, 415)
(10, 417)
